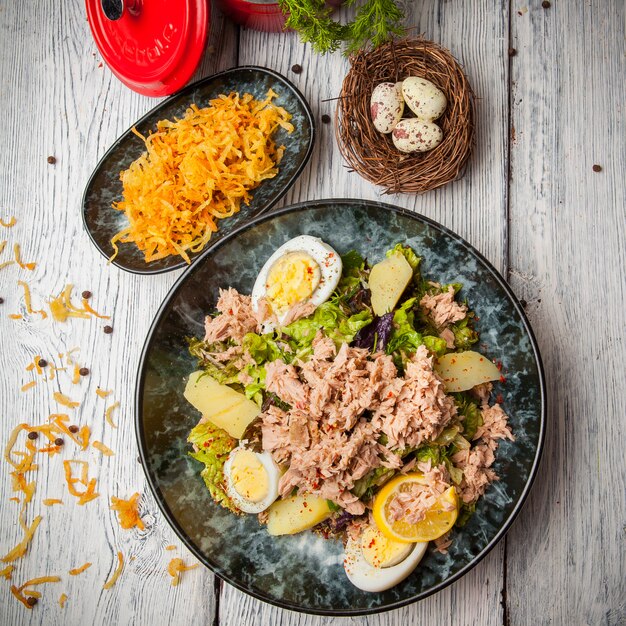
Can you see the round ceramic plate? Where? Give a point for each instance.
(304, 572)
(102, 221)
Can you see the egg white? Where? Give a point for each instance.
(324, 255)
(374, 579)
(273, 474)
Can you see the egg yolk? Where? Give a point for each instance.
(248, 476)
(379, 551)
(292, 279)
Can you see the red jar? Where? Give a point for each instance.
(262, 15)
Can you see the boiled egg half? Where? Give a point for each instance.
(375, 563)
(251, 479)
(302, 270)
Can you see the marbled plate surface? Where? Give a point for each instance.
(304, 572)
(102, 222)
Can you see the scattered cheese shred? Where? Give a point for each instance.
(2, 245)
(76, 374)
(62, 600)
(28, 300)
(63, 400)
(93, 312)
(175, 567)
(16, 316)
(12, 222)
(127, 512)
(108, 413)
(61, 307)
(18, 259)
(20, 549)
(7, 572)
(51, 501)
(197, 170)
(90, 484)
(116, 573)
(22, 592)
(29, 385)
(170, 547)
(102, 393)
(98, 445)
(79, 570)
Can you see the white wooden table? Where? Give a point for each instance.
(530, 202)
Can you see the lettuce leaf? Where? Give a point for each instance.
(214, 445)
(409, 254)
(436, 345)
(464, 335)
(404, 336)
(470, 414)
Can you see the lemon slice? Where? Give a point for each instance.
(438, 520)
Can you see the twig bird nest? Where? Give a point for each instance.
(373, 154)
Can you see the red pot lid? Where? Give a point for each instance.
(152, 46)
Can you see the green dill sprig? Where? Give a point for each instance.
(375, 22)
(311, 18)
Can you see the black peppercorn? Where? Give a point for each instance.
(73, 428)
(52, 160)
(325, 119)
(58, 441)
(545, 4)
(33, 434)
(86, 294)
(31, 601)
(597, 168)
(42, 363)
(296, 69)
(108, 329)
(84, 371)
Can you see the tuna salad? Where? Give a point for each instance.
(346, 398)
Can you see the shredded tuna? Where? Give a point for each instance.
(412, 505)
(448, 336)
(475, 463)
(443, 543)
(298, 311)
(416, 408)
(442, 308)
(494, 424)
(263, 312)
(324, 437)
(482, 392)
(236, 318)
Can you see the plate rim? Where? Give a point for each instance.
(138, 406)
(184, 92)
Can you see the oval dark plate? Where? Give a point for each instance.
(102, 222)
(303, 572)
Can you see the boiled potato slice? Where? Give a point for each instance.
(388, 280)
(463, 370)
(295, 514)
(221, 405)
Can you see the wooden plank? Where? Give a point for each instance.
(58, 99)
(475, 207)
(566, 553)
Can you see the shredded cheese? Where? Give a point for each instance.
(98, 445)
(93, 312)
(22, 592)
(116, 573)
(102, 393)
(18, 259)
(29, 385)
(62, 600)
(28, 301)
(79, 570)
(16, 316)
(20, 549)
(108, 413)
(51, 501)
(197, 170)
(175, 567)
(7, 572)
(90, 484)
(64, 400)
(12, 222)
(170, 547)
(127, 512)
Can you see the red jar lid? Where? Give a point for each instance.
(152, 46)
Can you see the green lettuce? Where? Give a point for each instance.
(464, 335)
(409, 254)
(470, 414)
(466, 512)
(214, 445)
(332, 320)
(404, 336)
(436, 345)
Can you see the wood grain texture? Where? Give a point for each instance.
(566, 553)
(58, 99)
